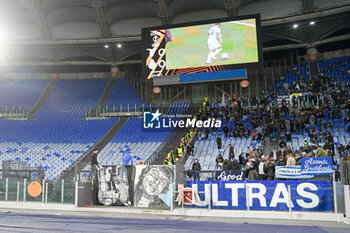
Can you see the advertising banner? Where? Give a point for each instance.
(317, 166)
(229, 175)
(263, 195)
(293, 172)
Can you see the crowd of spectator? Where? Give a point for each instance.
(310, 110)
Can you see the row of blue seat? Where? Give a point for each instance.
(58, 135)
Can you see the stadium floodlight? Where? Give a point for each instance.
(119, 45)
(295, 25)
(106, 46)
(312, 22)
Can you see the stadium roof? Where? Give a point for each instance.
(54, 32)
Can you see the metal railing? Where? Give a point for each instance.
(14, 112)
(80, 171)
(123, 110)
(156, 153)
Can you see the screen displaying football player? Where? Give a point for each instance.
(214, 46)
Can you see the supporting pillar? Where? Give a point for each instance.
(236, 89)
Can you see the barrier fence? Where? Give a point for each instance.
(323, 196)
(160, 186)
(41, 191)
(14, 112)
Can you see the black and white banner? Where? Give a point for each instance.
(140, 186)
(113, 189)
(152, 186)
(229, 175)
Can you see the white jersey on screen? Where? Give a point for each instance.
(213, 38)
(213, 32)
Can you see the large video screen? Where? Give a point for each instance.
(214, 45)
(224, 43)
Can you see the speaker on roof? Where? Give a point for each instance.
(115, 69)
(312, 52)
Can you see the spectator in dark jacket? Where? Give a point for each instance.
(196, 168)
(242, 159)
(298, 158)
(226, 131)
(260, 151)
(282, 152)
(341, 148)
(218, 141)
(231, 153)
(270, 169)
(234, 165)
(282, 143)
(281, 161)
(219, 162)
(231, 133)
(226, 165)
(94, 163)
(288, 136)
(206, 133)
(313, 137)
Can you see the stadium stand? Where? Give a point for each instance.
(123, 95)
(59, 135)
(62, 113)
(132, 139)
(298, 72)
(205, 149)
(21, 92)
(332, 119)
(319, 105)
(70, 99)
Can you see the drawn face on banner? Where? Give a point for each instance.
(152, 184)
(155, 181)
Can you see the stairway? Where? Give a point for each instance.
(314, 69)
(268, 145)
(173, 138)
(169, 145)
(104, 97)
(41, 99)
(79, 165)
